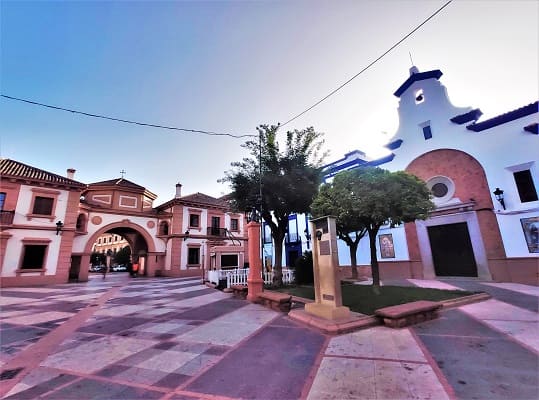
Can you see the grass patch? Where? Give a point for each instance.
(365, 299)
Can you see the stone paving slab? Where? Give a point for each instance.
(173, 338)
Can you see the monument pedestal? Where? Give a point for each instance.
(327, 311)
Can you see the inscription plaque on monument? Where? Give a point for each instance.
(324, 248)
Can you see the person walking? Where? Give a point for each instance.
(135, 269)
(104, 270)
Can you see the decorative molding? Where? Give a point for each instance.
(97, 220)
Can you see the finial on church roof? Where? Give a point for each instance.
(414, 70)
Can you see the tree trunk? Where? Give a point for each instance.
(353, 258)
(374, 259)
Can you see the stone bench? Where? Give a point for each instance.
(276, 301)
(408, 314)
(239, 291)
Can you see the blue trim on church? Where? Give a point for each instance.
(504, 118)
(532, 128)
(467, 117)
(394, 144)
(419, 76)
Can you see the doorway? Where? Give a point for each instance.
(74, 268)
(452, 252)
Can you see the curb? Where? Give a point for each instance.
(462, 301)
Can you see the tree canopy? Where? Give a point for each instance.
(339, 199)
(278, 183)
(385, 197)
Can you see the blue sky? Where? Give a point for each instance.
(229, 66)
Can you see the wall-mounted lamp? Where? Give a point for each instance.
(319, 234)
(499, 196)
(59, 226)
(186, 235)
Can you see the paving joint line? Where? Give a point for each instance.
(227, 353)
(376, 359)
(434, 365)
(309, 381)
(33, 355)
(509, 337)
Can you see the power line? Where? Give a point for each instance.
(125, 120)
(368, 66)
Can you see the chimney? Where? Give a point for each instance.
(70, 173)
(178, 190)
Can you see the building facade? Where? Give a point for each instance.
(484, 177)
(51, 224)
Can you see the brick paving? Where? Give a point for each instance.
(122, 338)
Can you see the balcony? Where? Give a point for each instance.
(6, 217)
(216, 232)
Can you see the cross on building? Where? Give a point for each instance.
(122, 172)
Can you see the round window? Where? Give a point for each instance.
(442, 189)
(439, 189)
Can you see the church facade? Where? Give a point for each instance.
(484, 177)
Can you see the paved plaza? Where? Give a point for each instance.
(164, 338)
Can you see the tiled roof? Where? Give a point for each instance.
(118, 182)
(16, 169)
(204, 199)
(504, 118)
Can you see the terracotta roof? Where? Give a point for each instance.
(504, 118)
(118, 182)
(204, 199)
(15, 169)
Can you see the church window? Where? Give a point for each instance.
(525, 186)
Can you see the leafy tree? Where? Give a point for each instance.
(387, 197)
(97, 258)
(339, 199)
(288, 180)
(123, 255)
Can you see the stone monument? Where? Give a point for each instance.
(327, 283)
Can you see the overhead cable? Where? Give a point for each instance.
(127, 121)
(368, 66)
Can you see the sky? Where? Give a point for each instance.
(229, 66)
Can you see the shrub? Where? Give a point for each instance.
(303, 269)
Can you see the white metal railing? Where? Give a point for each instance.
(239, 277)
(214, 276)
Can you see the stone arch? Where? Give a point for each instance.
(467, 173)
(121, 224)
(472, 194)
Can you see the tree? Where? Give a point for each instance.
(277, 183)
(123, 255)
(97, 258)
(388, 197)
(339, 199)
